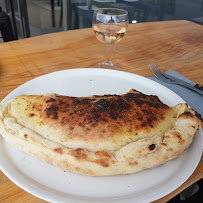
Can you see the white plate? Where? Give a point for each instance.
(53, 184)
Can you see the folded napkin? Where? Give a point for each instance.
(192, 98)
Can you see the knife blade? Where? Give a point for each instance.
(198, 88)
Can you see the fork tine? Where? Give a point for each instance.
(154, 70)
(158, 73)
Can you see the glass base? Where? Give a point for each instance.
(107, 65)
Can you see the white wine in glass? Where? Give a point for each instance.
(109, 25)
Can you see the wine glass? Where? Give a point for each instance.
(109, 25)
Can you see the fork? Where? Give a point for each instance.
(170, 79)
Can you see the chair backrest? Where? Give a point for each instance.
(6, 27)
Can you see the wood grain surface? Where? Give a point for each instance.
(175, 45)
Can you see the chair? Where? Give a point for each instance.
(6, 27)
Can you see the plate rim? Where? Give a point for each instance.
(92, 70)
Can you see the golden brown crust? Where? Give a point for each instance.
(98, 135)
(111, 120)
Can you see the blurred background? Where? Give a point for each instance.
(26, 18)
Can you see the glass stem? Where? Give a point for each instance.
(108, 50)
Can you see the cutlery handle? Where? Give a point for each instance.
(200, 87)
(195, 88)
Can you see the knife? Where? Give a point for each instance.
(198, 88)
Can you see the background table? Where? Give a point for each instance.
(175, 45)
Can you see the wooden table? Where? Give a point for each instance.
(175, 45)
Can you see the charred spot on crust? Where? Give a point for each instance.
(103, 163)
(55, 115)
(113, 107)
(94, 124)
(145, 112)
(89, 118)
(71, 127)
(52, 108)
(96, 116)
(113, 115)
(198, 116)
(52, 111)
(111, 95)
(104, 120)
(186, 115)
(86, 101)
(25, 136)
(36, 107)
(31, 114)
(83, 102)
(79, 154)
(155, 105)
(130, 96)
(152, 147)
(59, 150)
(144, 124)
(96, 96)
(62, 102)
(93, 118)
(51, 100)
(140, 99)
(103, 103)
(76, 102)
(122, 104)
(107, 95)
(140, 118)
(96, 110)
(178, 135)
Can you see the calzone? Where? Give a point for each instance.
(99, 135)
